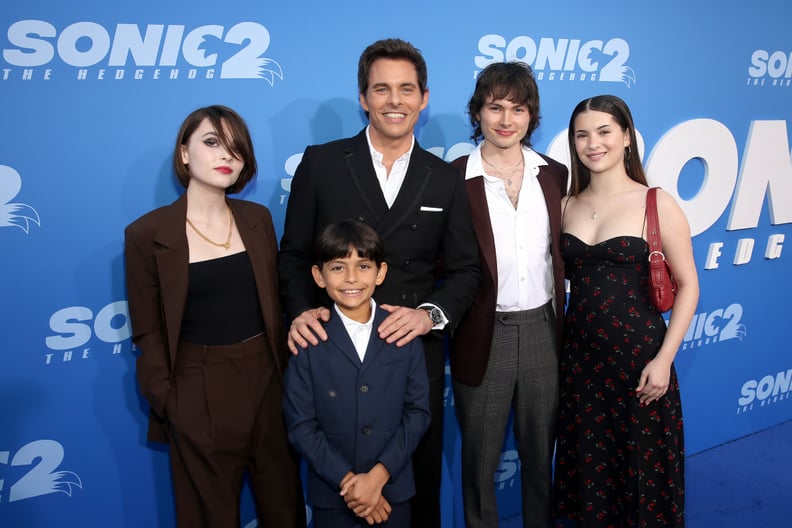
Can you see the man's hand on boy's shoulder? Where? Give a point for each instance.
(306, 327)
(403, 324)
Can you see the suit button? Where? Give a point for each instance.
(403, 296)
(364, 388)
(361, 219)
(407, 262)
(414, 227)
(367, 431)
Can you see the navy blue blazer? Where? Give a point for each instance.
(343, 415)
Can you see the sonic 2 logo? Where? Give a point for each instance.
(717, 325)
(772, 388)
(566, 59)
(36, 42)
(73, 329)
(42, 478)
(776, 65)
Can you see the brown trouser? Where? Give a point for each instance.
(225, 417)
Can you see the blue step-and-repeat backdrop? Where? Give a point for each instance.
(92, 94)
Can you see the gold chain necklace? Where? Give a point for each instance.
(511, 170)
(488, 162)
(227, 243)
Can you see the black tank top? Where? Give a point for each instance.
(222, 302)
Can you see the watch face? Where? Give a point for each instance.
(436, 316)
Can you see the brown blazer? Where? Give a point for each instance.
(470, 348)
(157, 260)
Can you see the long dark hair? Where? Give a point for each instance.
(610, 104)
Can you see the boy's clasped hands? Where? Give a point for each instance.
(362, 493)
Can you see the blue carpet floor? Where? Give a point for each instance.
(744, 483)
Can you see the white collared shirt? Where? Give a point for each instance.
(390, 183)
(522, 235)
(360, 333)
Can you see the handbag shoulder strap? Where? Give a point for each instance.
(653, 224)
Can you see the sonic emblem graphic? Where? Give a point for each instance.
(43, 457)
(58, 481)
(14, 214)
(261, 68)
(613, 70)
(248, 62)
(733, 331)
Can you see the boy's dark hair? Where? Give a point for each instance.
(337, 240)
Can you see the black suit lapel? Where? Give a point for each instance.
(409, 198)
(361, 171)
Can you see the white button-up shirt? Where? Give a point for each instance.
(522, 235)
(390, 183)
(358, 332)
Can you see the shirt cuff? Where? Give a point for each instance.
(445, 320)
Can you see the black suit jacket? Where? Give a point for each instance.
(472, 343)
(157, 264)
(427, 233)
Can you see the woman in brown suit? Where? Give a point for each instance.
(203, 303)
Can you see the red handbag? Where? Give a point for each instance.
(662, 285)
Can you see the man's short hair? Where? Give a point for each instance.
(391, 49)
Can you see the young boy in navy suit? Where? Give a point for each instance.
(355, 406)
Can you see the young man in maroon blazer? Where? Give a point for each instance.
(505, 353)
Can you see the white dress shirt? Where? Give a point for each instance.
(390, 183)
(522, 235)
(358, 332)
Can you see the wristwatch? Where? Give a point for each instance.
(435, 314)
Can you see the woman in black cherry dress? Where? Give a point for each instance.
(620, 448)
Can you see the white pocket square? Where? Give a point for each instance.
(428, 209)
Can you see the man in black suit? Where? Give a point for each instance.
(417, 204)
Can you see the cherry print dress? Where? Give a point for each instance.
(618, 464)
